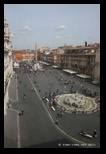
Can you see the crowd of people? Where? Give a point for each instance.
(91, 93)
(26, 67)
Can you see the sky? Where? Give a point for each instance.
(52, 25)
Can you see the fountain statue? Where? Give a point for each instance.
(76, 102)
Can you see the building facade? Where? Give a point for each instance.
(18, 56)
(97, 66)
(28, 56)
(8, 62)
(82, 62)
(23, 55)
(50, 58)
(82, 59)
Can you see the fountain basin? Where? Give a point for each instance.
(76, 103)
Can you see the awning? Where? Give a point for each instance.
(83, 76)
(55, 66)
(70, 71)
(44, 63)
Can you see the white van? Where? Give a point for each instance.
(53, 108)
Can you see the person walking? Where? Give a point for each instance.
(56, 122)
(22, 111)
(57, 115)
(24, 96)
(61, 114)
(8, 105)
(95, 134)
(57, 91)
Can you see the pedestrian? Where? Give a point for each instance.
(34, 89)
(57, 115)
(95, 134)
(20, 81)
(61, 114)
(7, 105)
(43, 98)
(56, 122)
(57, 91)
(19, 113)
(22, 112)
(24, 96)
(53, 94)
(49, 94)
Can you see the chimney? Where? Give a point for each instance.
(85, 44)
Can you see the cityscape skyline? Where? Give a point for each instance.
(52, 25)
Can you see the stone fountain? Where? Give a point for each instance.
(76, 103)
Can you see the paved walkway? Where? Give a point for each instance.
(69, 123)
(11, 93)
(13, 88)
(10, 129)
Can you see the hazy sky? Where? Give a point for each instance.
(52, 25)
